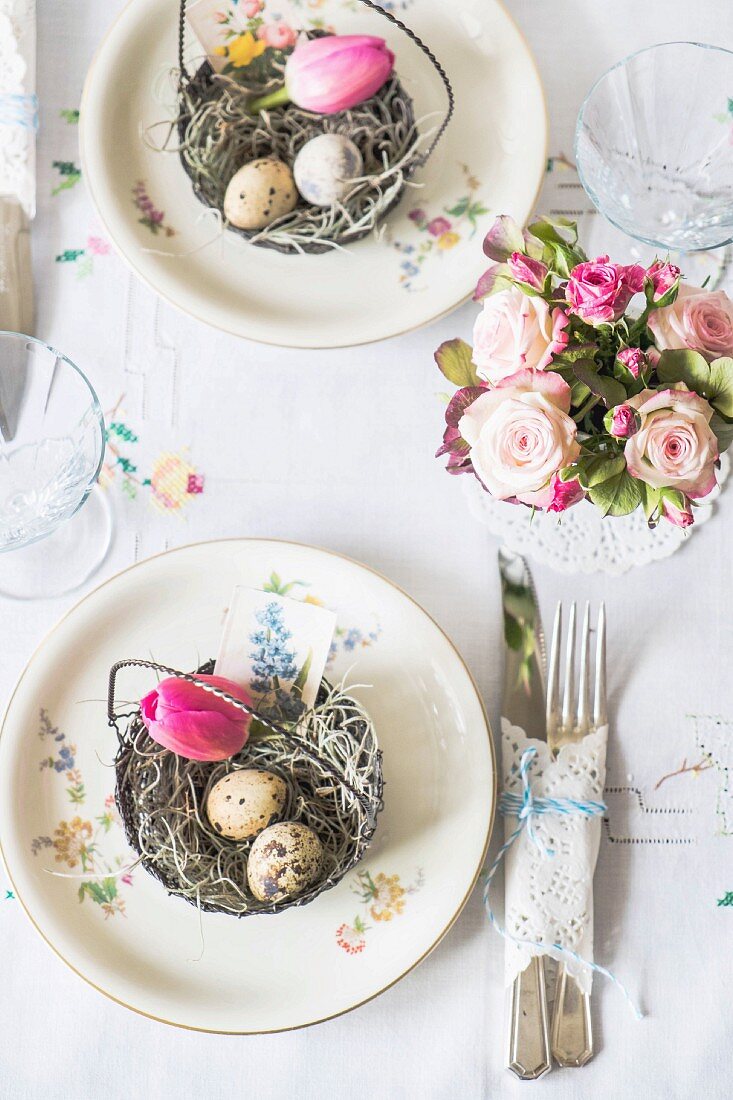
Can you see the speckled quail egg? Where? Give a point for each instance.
(243, 803)
(260, 192)
(284, 861)
(325, 168)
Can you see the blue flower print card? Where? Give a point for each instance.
(276, 648)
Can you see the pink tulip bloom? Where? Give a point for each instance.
(192, 722)
(332, 74)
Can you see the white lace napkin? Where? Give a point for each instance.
(18, 102)
(549, 898)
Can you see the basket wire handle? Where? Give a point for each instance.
(392, 19)
(299, 742)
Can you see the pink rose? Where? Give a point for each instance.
(599, 291)
(676, 509)
(674, 447)
(514, 331)
(278, 35)
(192, 722)
(251, 8)
(622, 421)
(632, 358)
(698, 319)
(520, 435)
(663, 277)
(564, 494)
(438, 226)
(526, 270)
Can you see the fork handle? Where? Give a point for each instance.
(572, 1033)
(529, 1038)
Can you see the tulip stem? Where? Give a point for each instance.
(272, 99)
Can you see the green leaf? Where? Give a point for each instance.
(684, 366)
(618, 496)
(454, 360)
(720, 390)
(610, 391)
(651, 499)
(723, 430)
(300, 680)
(597, 469)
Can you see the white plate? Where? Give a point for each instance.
(493, 154)
(264, 973)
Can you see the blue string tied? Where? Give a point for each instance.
(526, 807)
(19, 110)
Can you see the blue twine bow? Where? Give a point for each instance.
(19, 110)
(525, 807)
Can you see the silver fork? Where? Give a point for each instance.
(567, 722)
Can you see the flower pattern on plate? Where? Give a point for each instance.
(76, 842)
(152, 218)
(383, 898)
(440, 230)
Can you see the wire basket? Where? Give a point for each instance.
(217, 136)
(332, 768)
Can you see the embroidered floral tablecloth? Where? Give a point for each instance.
(190, 456)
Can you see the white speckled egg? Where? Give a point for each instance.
(284, 861)
(243, 803)
(260, 192)
(325, 167)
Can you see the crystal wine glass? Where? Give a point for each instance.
(654, 146)
(52, 441)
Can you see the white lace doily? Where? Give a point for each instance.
(549, 899)
(17, 102)
(581, 540)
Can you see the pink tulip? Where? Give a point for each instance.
(192, 722)
(332, 73)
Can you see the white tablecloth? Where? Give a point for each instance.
(366, 484)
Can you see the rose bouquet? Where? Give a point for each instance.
(572, 391)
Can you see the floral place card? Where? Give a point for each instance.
(277, 648)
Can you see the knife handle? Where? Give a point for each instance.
(16, 273)
(572, 1034)
(529, 1038)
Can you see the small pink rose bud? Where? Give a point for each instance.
(564, 494)
(622, 422)
(678, 513)
(526, 270)
(663, 277)
(632, 358)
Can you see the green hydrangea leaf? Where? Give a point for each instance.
(684, 366)
(651, 499)
(610, 391)
(596, 469)
(454, 360)
(720, 390)
(723, 431)
(618, 496)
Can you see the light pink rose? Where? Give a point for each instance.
(674, 447)
(698, 319)
(634, 359)
(599, 291)
(520, 435)
(564, 494)
(526, 270)
(251, 8)
(278, 35)
(622, 421)
(663, 277)
(514, 331)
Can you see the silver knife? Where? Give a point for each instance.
(524, 705)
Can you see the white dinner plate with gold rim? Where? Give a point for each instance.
(490, 161)
(152, 953)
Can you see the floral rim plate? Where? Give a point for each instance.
(154, 954)
(491, 160)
